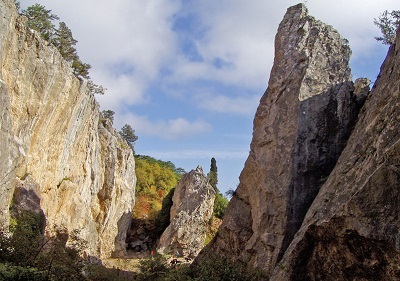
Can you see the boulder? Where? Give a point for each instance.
(193, 204)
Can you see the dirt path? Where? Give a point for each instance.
(125, 264)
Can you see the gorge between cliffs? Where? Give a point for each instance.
(319, 194)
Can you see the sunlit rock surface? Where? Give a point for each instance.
(54, 142)
(301, 127)
(193, 204)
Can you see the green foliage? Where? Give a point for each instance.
(108, 114)
(219, 268)
(213, 174)
(213, 269)
(220, 202)
(25, 251)
(388, 23)
(40, 19)
(128, 134)
(154, 268)
(94, 88)
(151, 172)
(82, 70)
(65, 42)
(14, 272)
(155, 179)
(220, 205)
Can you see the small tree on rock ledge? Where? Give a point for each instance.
(388, 23)
(128, 134)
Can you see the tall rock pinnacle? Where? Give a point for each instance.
(192, 208)
(301, 126)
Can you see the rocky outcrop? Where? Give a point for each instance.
(56, 145)
(352, 230)
(301, 127)
(192, 208)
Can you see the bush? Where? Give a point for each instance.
(15, 272)
(154, 268)
(213, 269)
(220, 268)
(24, 250)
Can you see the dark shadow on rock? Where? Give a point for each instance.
(325, 122)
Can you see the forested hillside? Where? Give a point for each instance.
(155, 179)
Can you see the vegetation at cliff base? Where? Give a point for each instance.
(214, 268)
(156, 180)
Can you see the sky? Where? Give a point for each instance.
(188, 75)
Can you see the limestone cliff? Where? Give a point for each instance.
(193, 204)
(300, 129)
(54, 142)
(352, 230)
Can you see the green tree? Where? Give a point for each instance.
(220, 202)
(65, 42)
(108, 114)
(388, 23)
(128, 134)
(40, 20)
(81, 69)
(220, 205)
(94, 88)
(213, 174)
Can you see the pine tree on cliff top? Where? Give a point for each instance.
(40, 20)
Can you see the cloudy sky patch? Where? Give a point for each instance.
(185, 74)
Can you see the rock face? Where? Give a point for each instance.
(352, 230)
(301, 126)
(192, 208)
(55, 144)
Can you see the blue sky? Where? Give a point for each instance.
(187, 75)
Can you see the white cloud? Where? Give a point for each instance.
(165, 129)
(130, 42)
(223, 104)
(198, 154)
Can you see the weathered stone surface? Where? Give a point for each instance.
(361, 89)
(301, 126)
(8, 157)
(83, 170)
(192, 208)
(352, 230)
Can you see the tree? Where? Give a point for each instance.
(82, 70)
(220, 205)
(65, 42)
(128, 134)
(108, 114)
(40, 20)
(213, 174)
(94, 88)
(388, 23)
